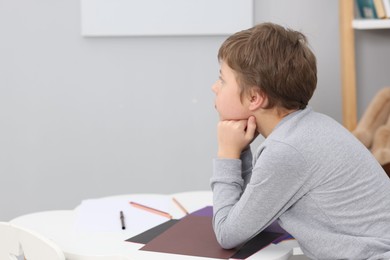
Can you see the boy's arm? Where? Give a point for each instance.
(241, 212)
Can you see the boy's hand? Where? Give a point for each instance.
(234, 136)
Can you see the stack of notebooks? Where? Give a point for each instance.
(194, 235)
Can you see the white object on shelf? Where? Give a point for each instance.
(165, 17)
(386, 5)
(367, 24)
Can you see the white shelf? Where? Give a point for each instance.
(368, 24)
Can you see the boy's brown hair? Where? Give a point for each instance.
(274, 59)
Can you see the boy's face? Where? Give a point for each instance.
(227, 96)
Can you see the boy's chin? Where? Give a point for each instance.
(222, 118)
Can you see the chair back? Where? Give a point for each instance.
(17, 242)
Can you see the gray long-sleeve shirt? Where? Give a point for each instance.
(325, 188)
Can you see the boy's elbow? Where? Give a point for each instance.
(226, 235)
(226, 245)
(224, 241)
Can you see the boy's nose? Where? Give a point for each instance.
(214, 88)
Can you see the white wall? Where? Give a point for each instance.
(91, 117)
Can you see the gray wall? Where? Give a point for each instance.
(91, 117)
(372, 64)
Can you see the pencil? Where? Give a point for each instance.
(152, 210)
(180, 206)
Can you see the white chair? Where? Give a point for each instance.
(8, 241)
(20, 243)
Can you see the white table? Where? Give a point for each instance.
(77, 244)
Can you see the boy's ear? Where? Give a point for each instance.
(257, 99)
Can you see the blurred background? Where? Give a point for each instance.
(90, 117)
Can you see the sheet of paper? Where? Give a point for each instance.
(146, 236)
(103, 215)
(192, 235)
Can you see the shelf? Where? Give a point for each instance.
(369, 24)
(348, 73)
(348, 25)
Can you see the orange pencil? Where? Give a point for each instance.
(152, 210)
(180, 206)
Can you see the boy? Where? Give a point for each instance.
(311, 174)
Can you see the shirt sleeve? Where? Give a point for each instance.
(246, 165)
(242, 212)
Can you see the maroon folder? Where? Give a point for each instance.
(194, 235)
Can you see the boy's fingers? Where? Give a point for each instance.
(251, 127)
